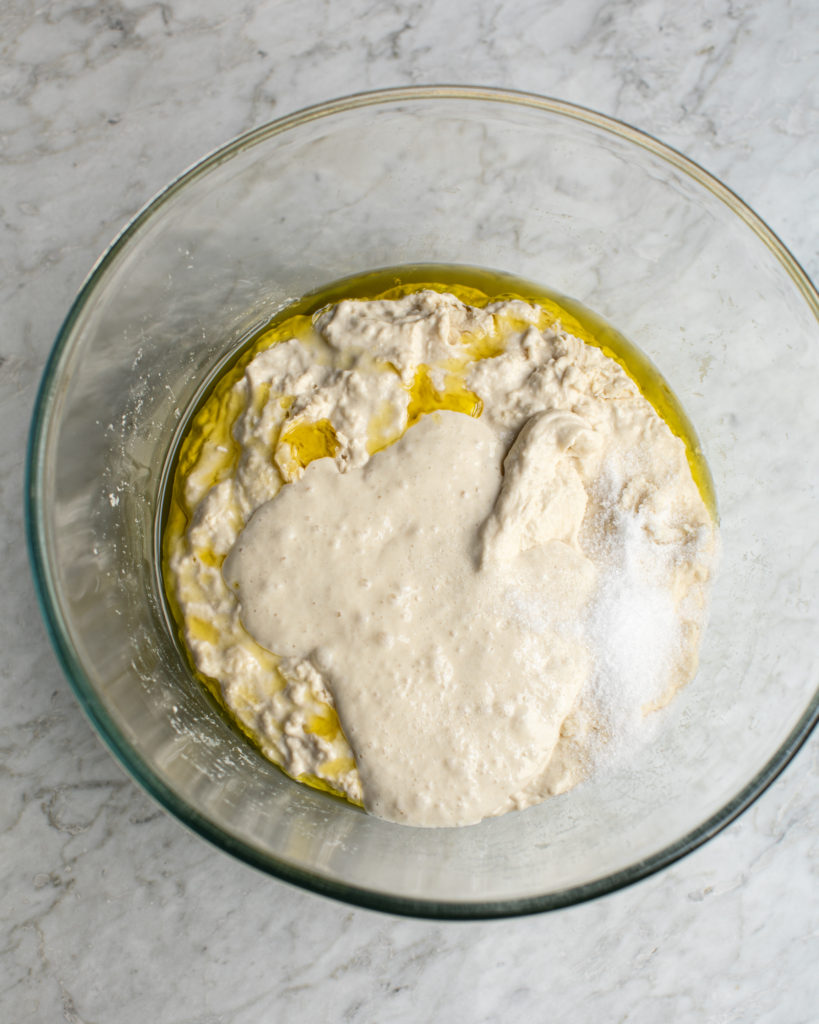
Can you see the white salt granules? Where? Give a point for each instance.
(632, 630)
(631, 626)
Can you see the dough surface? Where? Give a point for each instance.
(475, 548)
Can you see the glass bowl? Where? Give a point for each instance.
(547, 191)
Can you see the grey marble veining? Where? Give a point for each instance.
(110, 910)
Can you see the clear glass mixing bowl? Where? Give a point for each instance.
(541, 189)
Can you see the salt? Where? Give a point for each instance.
(632, 626)
(632, 630)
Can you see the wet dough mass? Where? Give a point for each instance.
(467, 595)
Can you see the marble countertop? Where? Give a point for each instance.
(111, 911)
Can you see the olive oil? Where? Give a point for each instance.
(310, 441)
(209, 454)
(218, 410)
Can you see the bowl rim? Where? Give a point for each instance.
(59, 635)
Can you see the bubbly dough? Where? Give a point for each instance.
(483, 597)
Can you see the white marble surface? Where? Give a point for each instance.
(110, 910)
